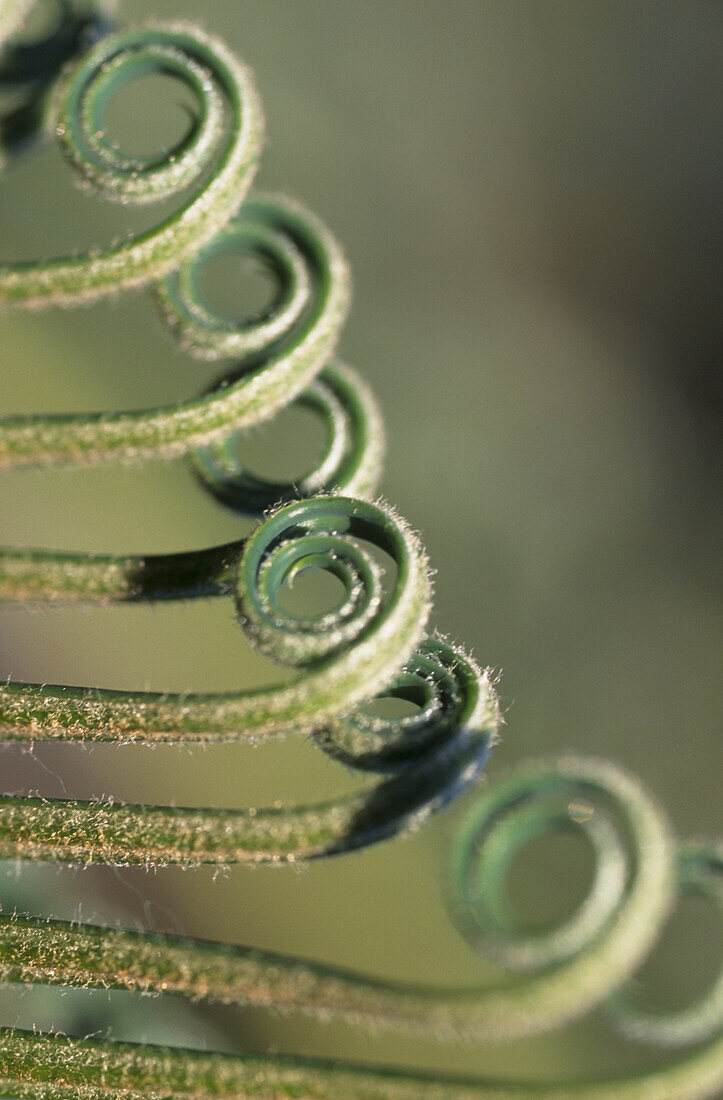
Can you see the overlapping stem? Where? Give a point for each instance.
(277, 355)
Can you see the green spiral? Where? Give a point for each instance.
(372, 644)
(272, 375)
(699, 871)
(351, 459)
(638, 875)
(347, 656)
(226, 132)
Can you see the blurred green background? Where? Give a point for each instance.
(526, 194)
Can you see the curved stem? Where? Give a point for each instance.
(153, 253)
(42, 711)
(271, 381)
(101, 832)
(57, 953)
(42, 1067)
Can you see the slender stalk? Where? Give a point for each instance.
(41, 1067)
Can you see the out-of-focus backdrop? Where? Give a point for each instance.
(527, 196)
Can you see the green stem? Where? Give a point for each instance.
(382, 635)
(42, 1067)
(216, 78)
(270, 381)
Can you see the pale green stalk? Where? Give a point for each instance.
(41, 1067)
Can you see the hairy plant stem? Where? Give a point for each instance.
(372, 644)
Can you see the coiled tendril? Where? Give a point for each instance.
(347, 656)
(633, 890)
(221, 85)
(263, 380)
(371, 643)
